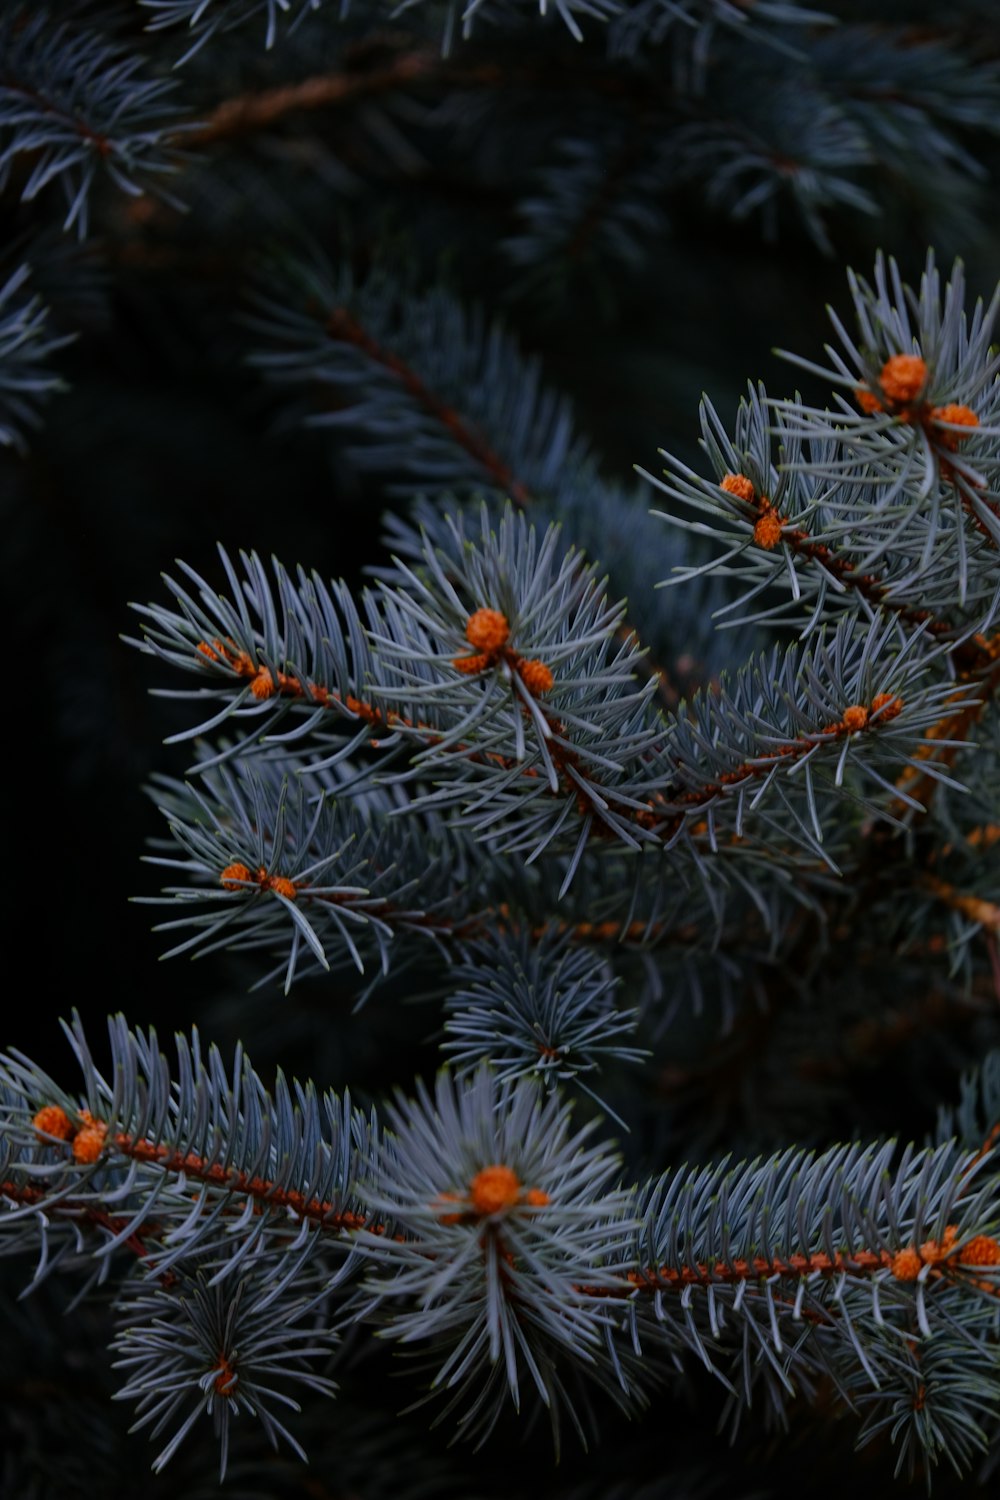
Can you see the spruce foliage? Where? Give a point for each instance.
(601, 869)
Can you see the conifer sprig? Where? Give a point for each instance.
(73, 105)
(882, 504)
(485, 1231)
(925, 416)
(533, 736)
(191, 1350)
(430, 391)
(276, 864)
(26, 341)
(482, 781)
(536, 1010)
(442, 397)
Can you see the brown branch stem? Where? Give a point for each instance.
(248, 113)
(659, 815)
(343, 327)
(101, 143)
(327, 1218)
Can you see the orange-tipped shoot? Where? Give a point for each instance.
(487, 630)
(906, 1265)
(767, 532)
(536, 677)
(226, 1379)
(887, 707)
(52, 1119)
(962, 416)
(494, 1189)
(88, 1143)
(738, 485)
(903, 377)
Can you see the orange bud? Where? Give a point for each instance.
(887, 707)
(868, 402)
(88, 1143)
(536, 677)
(962, 415)
(282, 886)
(487, 630)
(767, 532)
(262, 685)
(906, 1265)
(903, 376)
(233, 874)
(537, 1197)
(51, 1119)
(226, 1378)
(738, 485)
(855, 717)
(470, 665)
(493, 1189)
(982, 1251)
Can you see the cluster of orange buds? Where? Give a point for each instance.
(857, 717)
(87, 1138)
(235, 876)
(488, 631)
(263, 682)
(901, 382)
(769, 525)
(982, 1250)
(493, 1190)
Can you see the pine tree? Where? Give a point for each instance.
(594, 876)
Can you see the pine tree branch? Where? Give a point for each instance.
(238, 1188)
(771, 529)
(342, 326)
(247, 114)
(92, 1141)
(468, 1215)
(71, 103)
(482, 367)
